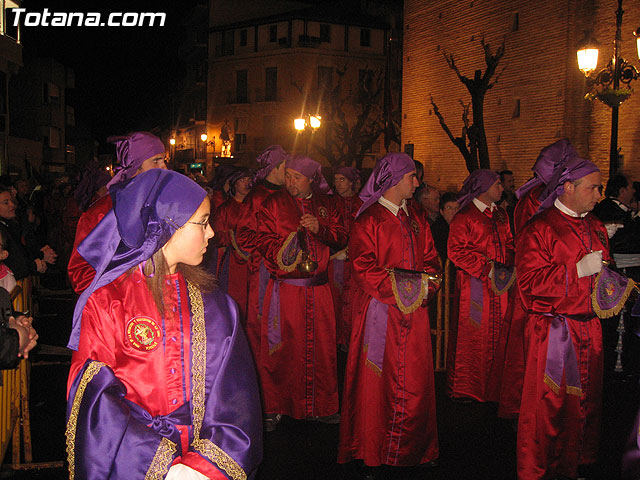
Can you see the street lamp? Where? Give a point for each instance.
(605, 84)
(308, 124)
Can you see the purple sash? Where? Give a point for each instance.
(338, 273)
(476, 296)
(274, 333)
(561, 358)
(263, 281)
(375, 334)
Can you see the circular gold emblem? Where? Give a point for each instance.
(143, 334)
(323, 212)
(415, 227)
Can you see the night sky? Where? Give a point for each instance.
(125, 76)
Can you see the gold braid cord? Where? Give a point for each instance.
(407, 309)
(161, 460)
(240, 253)
(281, 265)
(72, 423)
(205, 447)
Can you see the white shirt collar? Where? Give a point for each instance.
(483, 206)
(392, 207)
(620, 204)
(566, 210)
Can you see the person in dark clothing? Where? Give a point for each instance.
(17, 336)
(440, 227)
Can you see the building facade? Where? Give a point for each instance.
(272, 66)
(538, 97)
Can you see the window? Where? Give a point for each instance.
(325, 33)
(241, 86)
(273, 33)
(516, 110)
(50, 93)
(240, 135)
(516, 22)
(325, 78)
(271, 84)
(365, 37)
(243, 38)
(227, 43)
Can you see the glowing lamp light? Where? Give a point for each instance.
(314, 121)
(172, 141)
(637, 34)
(204, 137)
(299, 124)
(588, 54)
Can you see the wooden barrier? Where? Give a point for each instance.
(441, 330)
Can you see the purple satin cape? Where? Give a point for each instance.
(132, 151)
(147, 210)
(386, 174)
(574, 169)
(270, 159)
(113, 441)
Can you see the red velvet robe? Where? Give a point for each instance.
(225, 224)
(341, 290)
(513, 373)
(389, 415)
(80, 272)
(299, 376)
(476, 351)
(245, 236)
(559, 431)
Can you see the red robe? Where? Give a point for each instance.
(298, 373)
(513, 373)
(231, 257)
(80, 272)
(245, 236)
(476, 350)
(559, 431)
(340, 272)
(389, 413)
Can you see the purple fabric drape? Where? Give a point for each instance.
(477, 298)
(387, 173)
(375, 333)
(561, 358)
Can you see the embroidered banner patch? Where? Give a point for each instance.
(143, 334)
(610, 293)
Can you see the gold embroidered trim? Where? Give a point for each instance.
(161, 460)
(344, 250)
(199, 357)
(72, 423)
(494, 287)
(220, 457)
(418, 301)
(555, 388)
(281, 265)
(615, 309)
(240, 253)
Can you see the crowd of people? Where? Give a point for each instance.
(206, 312)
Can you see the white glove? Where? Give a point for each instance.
(612, 228)
(180, 471)
(590, 264)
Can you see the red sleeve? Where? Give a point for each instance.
(463, 251)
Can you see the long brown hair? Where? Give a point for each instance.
(156, 269)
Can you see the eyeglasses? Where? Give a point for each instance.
(202, 224)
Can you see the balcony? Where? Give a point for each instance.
(305, 41)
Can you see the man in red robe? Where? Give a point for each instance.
(530, 196)
(388, 409)
(270, 178)
(297, 360)
(136, 152)
(348, 203)
(559, 253)
(233, 267)
(481, 247)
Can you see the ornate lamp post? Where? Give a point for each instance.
(308, 124)
(605, 84)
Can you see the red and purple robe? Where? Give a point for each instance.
(389, 402)
(81, 274)
(340, 271)
(233, 266)
(297, 360)
(559, 419)
(477, 335)
(147, 390)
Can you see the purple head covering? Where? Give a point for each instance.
(551, 157)
(146, 213)
(270, 159)
(93, 178)
(476, 184)
(350, 173)
(310, 169)
(132, 151)
(574, 169)
(386, 174)
(237, 175)
(221, 175)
